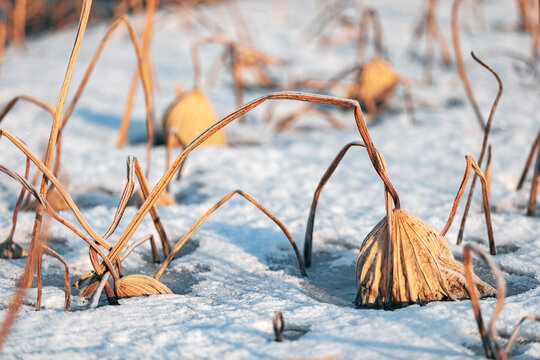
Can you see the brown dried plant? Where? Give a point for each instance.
(427, 26)
(492, 348)
(461, 65)
(3, 40)
(403, 260)
(535, 184)
(151, 7)
(487, 129)
(374, 81)
(95, 241)
(279, 326)
(248, 65)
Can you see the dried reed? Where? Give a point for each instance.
(85, 12)
(489, 336)
(487, 129)
(151, 7)
(461, 65)
(535, 185)
(428, 26)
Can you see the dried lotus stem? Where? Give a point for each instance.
(85, 12)
(489, 336)
(515, 333)
(286, 122)
(153, 212)
(3, 39)
(151, 6)
(488, 169)
(67, 285)
(482, 151)
(142, 71)
(472, 165)
(47, 107)
(308, 241)
(370, 15)
(285, 95)
(534, 187)
(279, 326)
(9, 249)
(194, 228)
(461, 66)
(19, 21)
(530, 158)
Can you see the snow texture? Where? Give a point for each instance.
(239, 270)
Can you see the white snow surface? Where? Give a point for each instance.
(239, 270)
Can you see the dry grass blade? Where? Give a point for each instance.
(194, 228)
(146, 76)
(67, 285)
(461, 66)
(483, 150)
(279, 326)
(142, 71)
(9, 249)
(139, 285)
(85, 13)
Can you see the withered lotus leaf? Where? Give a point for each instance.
(190, 115)
(139, 285)
(413, 266)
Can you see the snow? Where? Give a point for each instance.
(239, 270)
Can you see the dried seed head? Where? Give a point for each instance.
(190, 115)
(415, 266)
(139, 285)
(375, 82)
(11, 250)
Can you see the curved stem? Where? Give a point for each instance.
(186, 237)
(461, 66)
(484, 145)
(286, 95)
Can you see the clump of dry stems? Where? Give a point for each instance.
(492, 348)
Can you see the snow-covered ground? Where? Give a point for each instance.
(239, 270)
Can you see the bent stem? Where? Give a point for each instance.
(285, 95)
(472, 165)
(142, 72)
(186, 237)
(489, 337)
(483, 150)
(461, 65)
(369, 15)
